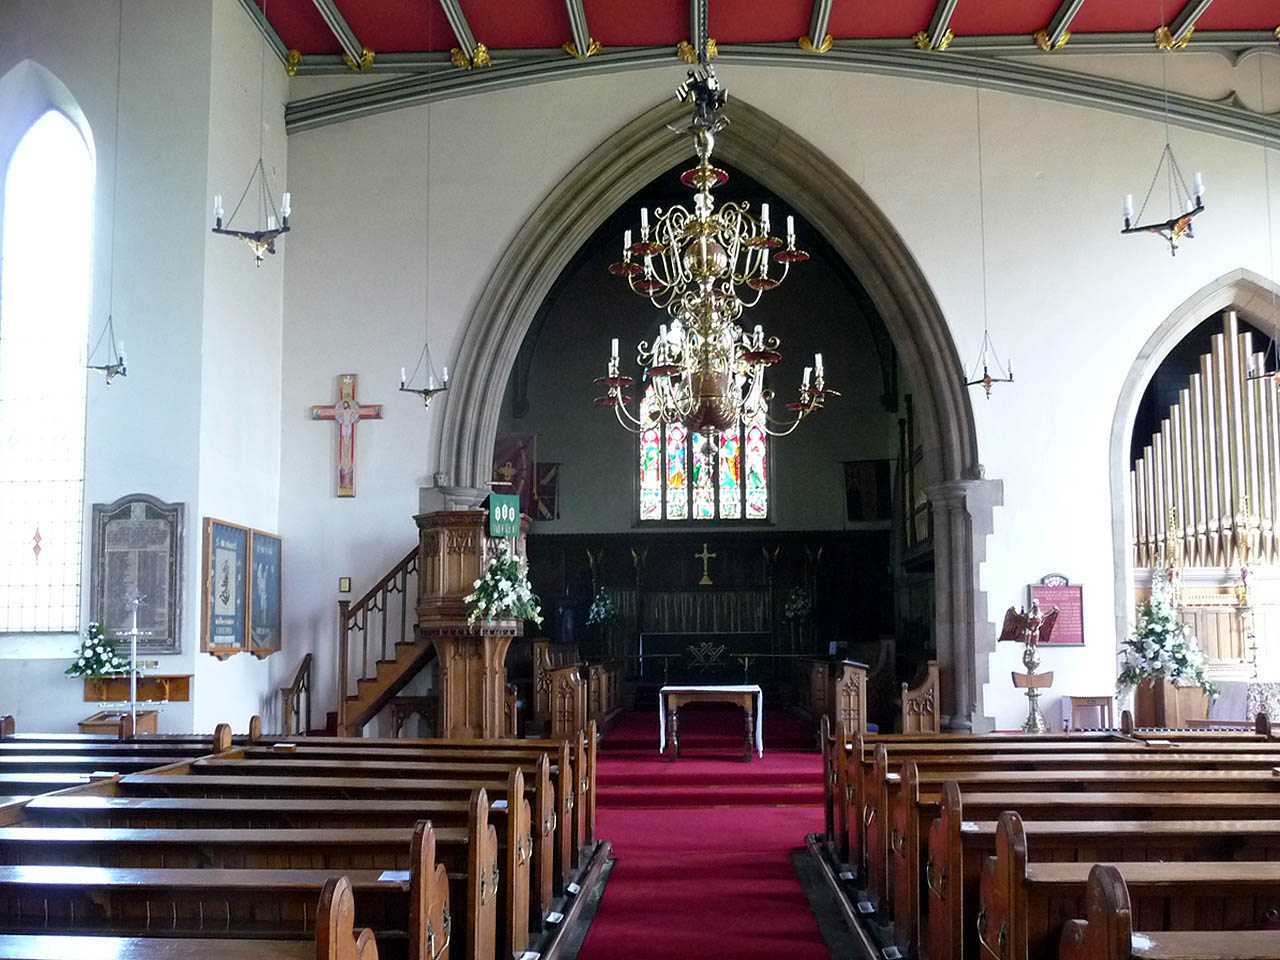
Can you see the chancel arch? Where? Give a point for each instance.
(1194, 455)
(825, 197)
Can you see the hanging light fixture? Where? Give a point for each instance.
(987, 356)
(272, 223)
(705, 371)
(430, 386)
(115, 365)
(1184, 204)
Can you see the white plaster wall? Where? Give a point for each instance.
(1069, 299)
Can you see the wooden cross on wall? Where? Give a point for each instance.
(347, 412)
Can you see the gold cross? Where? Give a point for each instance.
(704, 556)
(506, 471)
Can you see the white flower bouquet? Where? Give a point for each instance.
(1161, 646)
(503, 590)
(602, 610)
(97, 657)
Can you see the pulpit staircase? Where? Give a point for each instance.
(379, 650)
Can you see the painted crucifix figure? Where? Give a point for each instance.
(347, 412)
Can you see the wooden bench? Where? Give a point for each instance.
(1024, 905)
(1107, 932)
(336, 939)
(557, 846)
(411, 917)
(170, 818)
(469, 855)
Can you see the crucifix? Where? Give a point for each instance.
(705, 556)
(347, 412)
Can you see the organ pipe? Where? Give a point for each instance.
(1206, 489)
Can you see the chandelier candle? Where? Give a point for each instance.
(702, 370)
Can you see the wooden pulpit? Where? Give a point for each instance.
(453, 549)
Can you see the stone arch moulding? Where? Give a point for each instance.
(830, 202)
(28, 91)
(1251, 295)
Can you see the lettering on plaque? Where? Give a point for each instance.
(137, 550)
(1056, 590)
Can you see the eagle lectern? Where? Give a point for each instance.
(454, 547)
(1031, 629)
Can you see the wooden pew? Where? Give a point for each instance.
(1107, 932)
(1023, 905)
(921, 704)
(336, 939)
(557, 846)
(954, 905)
(170, 817)
(469, 854)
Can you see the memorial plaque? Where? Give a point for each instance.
(264, 594)
(1056, 591)
(137, 550)
(224, 627)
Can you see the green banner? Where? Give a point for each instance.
(504, 515)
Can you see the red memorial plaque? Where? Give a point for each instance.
(1056, 591)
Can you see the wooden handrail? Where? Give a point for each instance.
(293, 718)
(354, 617)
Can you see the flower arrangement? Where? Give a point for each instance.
(1162, 646)
(602, 610)
(798, 607)
(503, 590)
(97, 657)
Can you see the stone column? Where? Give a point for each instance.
(962, 519)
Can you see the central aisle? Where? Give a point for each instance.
(703, 845)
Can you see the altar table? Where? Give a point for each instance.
(747, 696)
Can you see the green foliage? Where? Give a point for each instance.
(97, 657)
(503, 590)
(602, 610)
(1161, 646)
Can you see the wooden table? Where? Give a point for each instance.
(747, 696)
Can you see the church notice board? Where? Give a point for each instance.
(1056, 590)
(240, 591)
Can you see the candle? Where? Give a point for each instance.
(1199, 182)
(662, 333)
(446, 376)
(403, 381)
(271, 223)
(817, 364)
(614, 348)
(122, 353)
(1128, 206)
(805, 383)
(644, 221)
(286, 205)
(217, 206)
(1011, 368)
(759, 335)
(764, 264)
(791, 231)
(626, 242)
(764, 219)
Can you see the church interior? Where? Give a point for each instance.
(549, 480)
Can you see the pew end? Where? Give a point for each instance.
(1106, 933)
(429, 916)
(7, 726)
(336, 938)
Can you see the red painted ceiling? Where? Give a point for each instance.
(415, 25)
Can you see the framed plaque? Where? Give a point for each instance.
(137, 546)
(264, 594)
(1055, 590)
(224, 628)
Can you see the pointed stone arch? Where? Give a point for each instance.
(1254, 297)
(830, 202)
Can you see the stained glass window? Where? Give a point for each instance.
(682, 477)
(45, 244)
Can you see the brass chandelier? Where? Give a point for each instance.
(705, 371)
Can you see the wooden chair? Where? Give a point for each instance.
(1105, 705)
(920, 704)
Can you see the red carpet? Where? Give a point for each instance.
(703, 845)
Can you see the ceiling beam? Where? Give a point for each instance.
(1186, 19)
(1055, 35)
(818, 27)
(264, 27)
(938, 36)
(357, 57)
(461, 29)
(578, 26)
(698, 28)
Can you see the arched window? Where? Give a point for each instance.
(45, 241)
(681, 480)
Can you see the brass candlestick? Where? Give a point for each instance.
(1030, 629)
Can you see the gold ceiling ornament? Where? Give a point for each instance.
(703, 370)
(687, 52)
(808, 46)
(363, 64)
(291, 61)
(480, 58)
(593, 48)
(925, 42)
(1165, 41)
(1041, 38)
